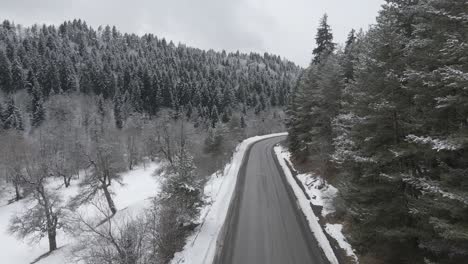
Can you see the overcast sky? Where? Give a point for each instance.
(283, 27)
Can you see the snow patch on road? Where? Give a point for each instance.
(304, 203)
(200, 247)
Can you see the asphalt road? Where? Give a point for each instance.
(264, 224)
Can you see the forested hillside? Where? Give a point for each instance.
(385, 119)
(140, 74)
(81, 109)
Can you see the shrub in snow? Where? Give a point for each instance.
(122, 239)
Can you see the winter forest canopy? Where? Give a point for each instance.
(386, 119)
(139, 74)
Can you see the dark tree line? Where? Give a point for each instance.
(140, 74)
(387, 116)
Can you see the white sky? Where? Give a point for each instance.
(283, 27)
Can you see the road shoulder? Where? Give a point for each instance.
(304, 204)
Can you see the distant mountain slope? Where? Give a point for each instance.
(141, 74)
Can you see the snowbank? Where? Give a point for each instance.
(321, 194)
(304, 203)
(335, 231)
(201, 246)
(131, 196)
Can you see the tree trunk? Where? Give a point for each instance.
(52, 240)
(110, 202)
(51, 221)
(17, 191)
(66, 181)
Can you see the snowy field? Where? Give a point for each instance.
(321, 194)
(130, 197)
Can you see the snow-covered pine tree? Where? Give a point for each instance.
(12, 118)
(324, 40)
(5, 73)
(316, 101)
(2, 115)
(17, 76)
(214, 117)
(37, 104)
(401, 135)
(118, 109)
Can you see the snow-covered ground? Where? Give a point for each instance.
(304, 203)
(335, 231)
(137, 187)
(321, 194)
(200, 248)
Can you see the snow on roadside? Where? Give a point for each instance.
(335, 231)
(321, 194)
(304, 203)
(200, 247)
(130, 197)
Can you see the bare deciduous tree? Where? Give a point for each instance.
(45, 217)
(64, 138)
(105, 159)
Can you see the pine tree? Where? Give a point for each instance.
(38, 115)
(182, 186)
(324, 40)
(17, 76)
(148, 93)
(68, 78)
(5, 73)
(2, 115)
(37, 102)
(349, 57)
(53, 80)
(118, 109)
(214, 117)
(12, 117)
(158, 100)
(314, 105)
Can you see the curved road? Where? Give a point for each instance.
(264, 224)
